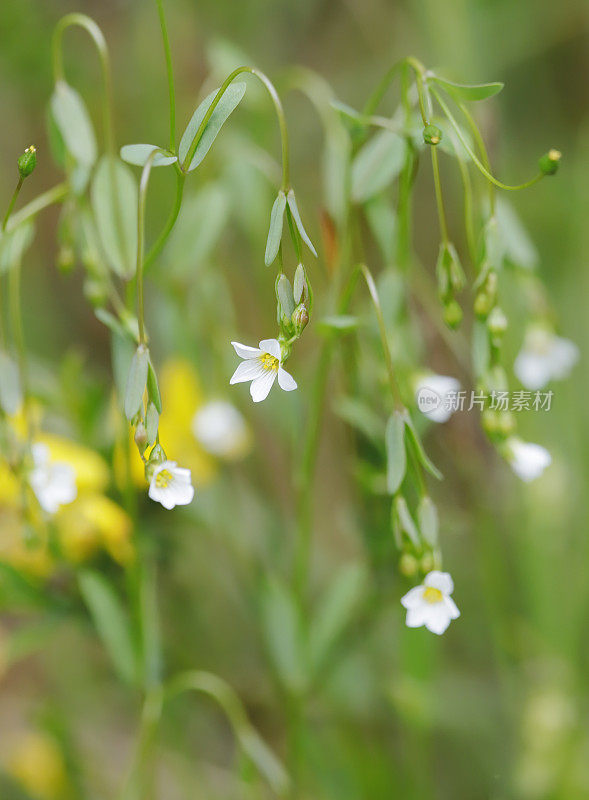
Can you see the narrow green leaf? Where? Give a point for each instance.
(153, 389)
(10, 387)
(376, 164)
(151, 423)
(299, 284)
(405, 520)
(111, 322)
(73, 122)
(360, 416)
(335, 612)
(343, 323)
(110, 621)
(419, 450)
(136, 381)
(116, 222)
(294, 210)
(396, 453)
(469, 92)
(336, 172)
(284, 635)
(275, 230)
(427, 517)
(518, 246)
(284, 295)
(227, 104)
(383, 224)
(137, 154)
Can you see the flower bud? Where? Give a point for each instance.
(408, 565)
(427, 563)
(490, 422)
(300, 318)
(432, 134)
(549, 162)
(141, 437)
(497, 322)
(452, 314)
(66, 259)
(506, 423)
(95, 292)
(27, 162)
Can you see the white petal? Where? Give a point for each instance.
(438, 618)
(271, 346)
(413, 598)
(261, 386)
(534, 370)
(439, 580)
(40, 454)
(221, 429)
(285, 380)
(416, 616)
(564, 356)
(528, 460)
(432, 393)
(245, 351)
(247, 371)
(451, 607)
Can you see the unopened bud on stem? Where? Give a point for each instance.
(27, 162)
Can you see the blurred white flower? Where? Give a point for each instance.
(430, 604)
(527, 460)
(221, 430)
(544, 357)
(171, 485)
(434, 394)
(54, 483)
(262, 366)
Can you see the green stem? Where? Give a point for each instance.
(279, 114)
(473, 156)
(419, 70)
(143, 186)
(48, 198)
(12, 202)
(482, 150)
(170, 73)
(439, 196)
(468, 217)
(375, 98)
(383, 336)
(157, 246)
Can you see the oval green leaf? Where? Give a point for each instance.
(275, 230)
(284, 295)
(73, 122)
(116, 214)
(294, 210)
(377, 163)
(136, 381)
(137, 154)
(470, 92)
(227, 104)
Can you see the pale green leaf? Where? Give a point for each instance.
(10, 384)
(469, 92)
(419, 449)
(151, 423)
(227, 104)
(342, 323)
(73, 122)
(114, 202)
(427, 517)
(294, 210)
(136, 381)
(284, 295)
(275, 230)
(283, 631)
(138, 154)
(153, 389)
(376, 164)
(396, 452)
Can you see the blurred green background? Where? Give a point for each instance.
(498, 707)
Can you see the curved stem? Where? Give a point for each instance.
(473, 156)
(157, 246)
(468, 219)
(48, 198)
(279, 114)
(419, 71)
(375, 98)
(482, 150)
(439, 196)
(383, 336)
(170, 73)
(12, 202)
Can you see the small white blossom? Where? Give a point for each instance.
(54, 483)
(435, 395)
(430, 604)
(221, 429)
(544, 357)
(527, 460)
(262, 365)
(171, 485)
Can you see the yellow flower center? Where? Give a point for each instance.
(163, 479)
(432, 595)
(269, 362)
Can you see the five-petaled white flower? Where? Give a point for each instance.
(171, 485)
(527, 460)
(221, 430)
(54, 483)
(437, 396)
(544, 357)
(430, 604)
(262, 366)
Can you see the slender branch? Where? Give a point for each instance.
(12, 202)
(143, 185)
(54, 195)
(439, 196)
(170, 73)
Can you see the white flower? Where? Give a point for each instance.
(171, 485)
(54, 483)
(221, 430)
(430, 604)
(436, 396)
(544, 357)
(262, 366)
(527, 460)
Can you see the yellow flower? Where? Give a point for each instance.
(95, 521)
(38, 765)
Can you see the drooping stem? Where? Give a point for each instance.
(439, 196)
(279, 114)
(473, 156)
(170, 73)
(482, 150)
(12, 202)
